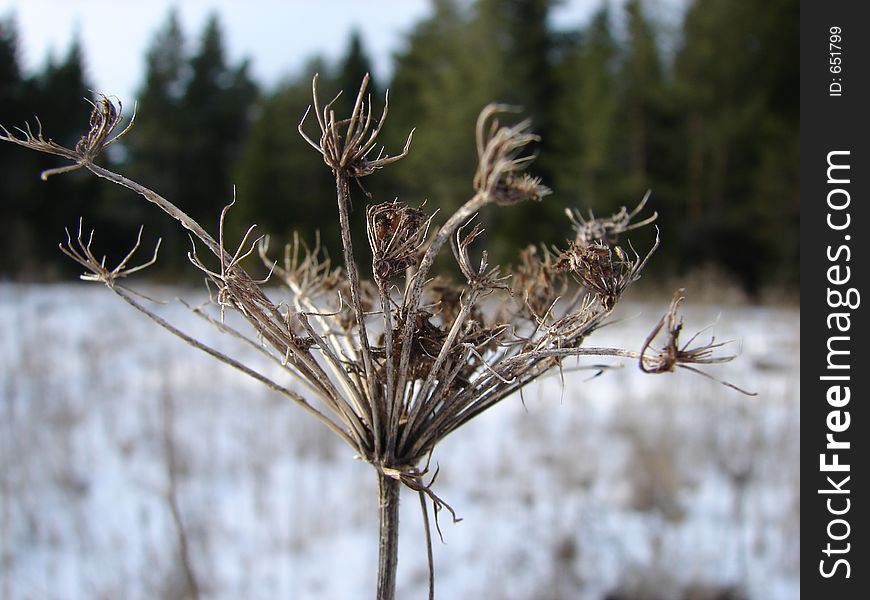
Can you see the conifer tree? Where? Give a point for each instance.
(584, 140)
(448, 71)
(737, 80)
(159, 125)
(283, 186)
(216, 105)
(354, 65)
(194, 117)
(16, 180)
(56, 94)
(641, 82)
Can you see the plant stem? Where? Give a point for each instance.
(388, 543)
(343, 192)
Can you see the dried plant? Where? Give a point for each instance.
(395, 364)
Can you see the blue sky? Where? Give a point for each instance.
(278, 36)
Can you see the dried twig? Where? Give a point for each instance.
(672, 355)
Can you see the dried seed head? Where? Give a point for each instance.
(671, 355)
(519, 188)
(346, 144)
(482, 277)
(607, 230)
(307, 270)
(538, 281)
(104, 119)
(499, 161)
(396, 233)
(605, 271)
(80, 251)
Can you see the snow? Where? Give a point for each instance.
(648, 486)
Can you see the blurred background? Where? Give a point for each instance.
(695, 100)
(620, 487)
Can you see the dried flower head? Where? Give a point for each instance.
(537, 281)
(482, 277)
(346, 144)
(671, 355)
(605, 271)
(105, 118)
(514, 189)
(81, 252)
(396, 233)
(607, 230)
(499, 162)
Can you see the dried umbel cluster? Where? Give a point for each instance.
(396, 233)
(105, 119)
(395, 364)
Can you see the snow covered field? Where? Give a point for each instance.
(624, 486)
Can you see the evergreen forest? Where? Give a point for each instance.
(705, 114)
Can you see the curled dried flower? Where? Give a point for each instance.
(483, 277)
(306, 270)
(80, 251)
(396, 233)
(608, 229)
(537, 280)
(520, 188)
(499, 160)
(105, 118)
(605, 271)
(346, 144)
(671, 355)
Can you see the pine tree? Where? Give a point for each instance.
(156, 146)
(354, 65)
(524, 49)
(520, 31)
(585, 139)
(16, 236)
(737, 80)
(158, 140)
(640, 75)
(56, 94)
(216, 105)
(192, 119)
(442, 79)
(282, 185)
(11, 79)
(60, 90)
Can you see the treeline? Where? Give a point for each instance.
(708, 122)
